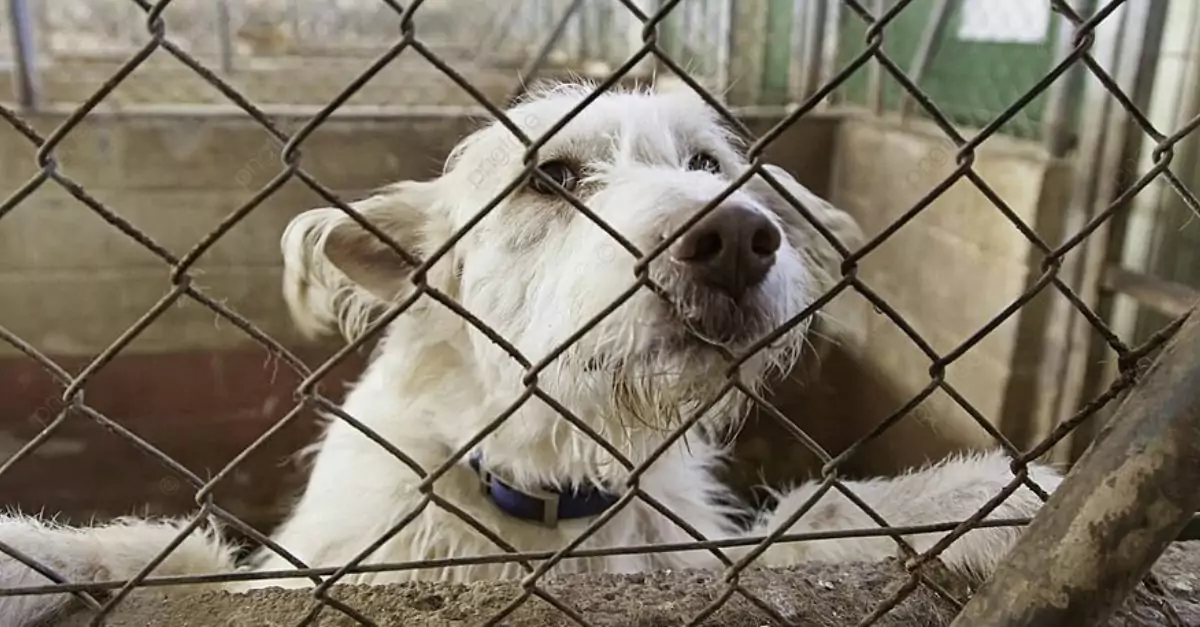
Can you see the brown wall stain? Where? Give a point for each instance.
(200, 408)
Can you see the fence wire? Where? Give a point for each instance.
(158, 38)
(299, 51)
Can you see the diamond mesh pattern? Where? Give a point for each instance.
(409, 44)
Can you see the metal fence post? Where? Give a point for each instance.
(224, 36)
(927, 49)
(722, 21)
(1139, 40)
(534, 65)
(749, 41)
(875, 90)
(831, 48)
(24, 54)
(1061, 117)
(293, 18)
(812, 46)
(1126, 499)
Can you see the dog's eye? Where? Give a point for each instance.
(560, 172)
(704, 161)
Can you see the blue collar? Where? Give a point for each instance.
(547, 506)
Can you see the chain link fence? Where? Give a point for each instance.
(278, 52)
(258, 46)
(875, 44)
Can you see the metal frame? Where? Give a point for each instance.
(928, 47)
(21, 25)
(1113, 181)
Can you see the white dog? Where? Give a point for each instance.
(535, 271)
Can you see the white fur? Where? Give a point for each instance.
(536, 270)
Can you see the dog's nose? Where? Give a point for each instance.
(730, 249)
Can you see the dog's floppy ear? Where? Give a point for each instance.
(337, 273)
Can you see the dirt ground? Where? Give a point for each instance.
(812, 596)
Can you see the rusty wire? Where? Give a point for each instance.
(104, 596)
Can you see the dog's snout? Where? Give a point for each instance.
(730, 249)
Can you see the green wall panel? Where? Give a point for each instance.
(971, 82)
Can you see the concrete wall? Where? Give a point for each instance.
(958, 263)
(191, 384)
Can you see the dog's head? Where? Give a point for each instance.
(642, 342)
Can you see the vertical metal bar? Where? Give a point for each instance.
(833, 42)
(1128, 497)
(546, 16)
(711, 38)
(1062, 368)
(293, 15)
(723, 50)
(814, 47)
(1063, 95)
(1139, 48)
(751, 39)
(927, 49)
(24, 54)
(687, 26)
(501, 30)
(531, 69)
(636, 27)
(875, 70)
(574, 38)
(729, 41)
(590, 48)
(701, 48)
(605, 29)
(1154, 245)
(798, 44)
(224, 36)
(777, 59)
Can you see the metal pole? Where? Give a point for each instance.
(531, 69)
(723, 46)
(293, 14)
(500, 30)
(1063, 95)
(1139, 42)
(224, 36)
(814, 47)
(1126, 499)
(833, 43)
(24, 53)
(927, 49)
(875, 70)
